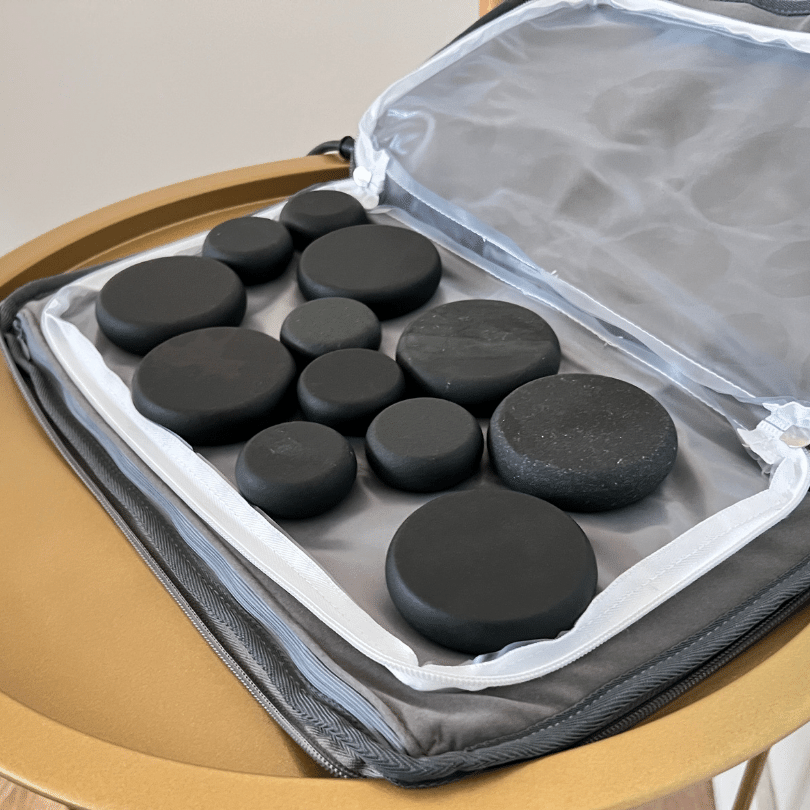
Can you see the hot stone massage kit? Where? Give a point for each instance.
(533, 152)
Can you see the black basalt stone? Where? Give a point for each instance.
(296, 469)
(477, 570)
(152, 301)
(346, 389)
(255, 248)
(214, 386)
(582, 441)
(424, 445)
(391, 270)
(312, 214)
(328, 324)
(475, 352)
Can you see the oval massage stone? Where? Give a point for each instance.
(346, 389)
(391, 270)
(257, 249)
(328, 324)
(424, 445)
(582, 441)
(296, 469)
(475, 352)
(214, 386)
(152, 301)
(477, 570)
(312, 214)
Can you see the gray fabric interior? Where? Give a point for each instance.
(661, 171)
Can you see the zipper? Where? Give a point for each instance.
(334, 768)
(702, 673)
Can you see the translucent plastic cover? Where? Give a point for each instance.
(650, 163)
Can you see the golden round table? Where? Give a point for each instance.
(110, 699)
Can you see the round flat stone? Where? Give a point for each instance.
(582, 441)
(475, 352)
(155, 300)
(214, 386)
(257, 249)
(328, 324)
(477, 570)
(296, 469)
(391, 270)
(424, 445)
(312, 214)
(346, 389)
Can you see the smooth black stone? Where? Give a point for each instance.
(476, 352)
(391, 270)
(152, 301)
(328, 324)
(424, 445)
(257, 249)
(582, 441)
(312, 214)
(296, 469)
(214, 386)
(346, 389)
(477, 570)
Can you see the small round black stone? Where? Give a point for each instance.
(475, 352)
(155, 300)
(214, 386)
(311, 214)
(391, 270)
(477, 570)
(424, 445)
(328, 324)
(257, 249)
(346, 389)
(582, 441)
(296, 469)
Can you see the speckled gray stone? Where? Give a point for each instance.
(424, 445)
(480, 569)
(582, 441)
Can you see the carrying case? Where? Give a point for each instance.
(633, 172)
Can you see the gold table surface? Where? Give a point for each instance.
(110, 699)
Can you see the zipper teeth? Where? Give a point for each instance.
(328, 764)
(717, 663)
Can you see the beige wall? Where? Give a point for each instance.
(103, 99)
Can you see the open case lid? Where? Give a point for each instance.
(640, 163)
